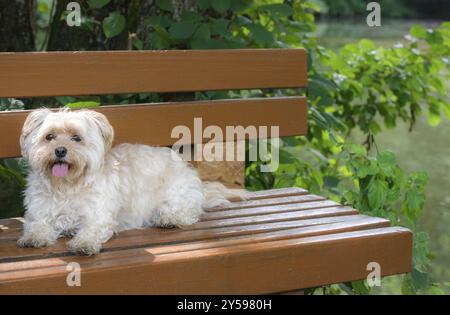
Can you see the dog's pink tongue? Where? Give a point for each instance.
(60, 169)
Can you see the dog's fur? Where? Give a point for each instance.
(105, 190)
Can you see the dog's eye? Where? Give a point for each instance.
(50, 137)
(76, 138)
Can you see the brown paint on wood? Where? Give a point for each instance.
(248, 212)
(156, 236)
(288, 264)
(153, 123)
(116, 72)
(278, 192)
(267, 202)
(273, 217)
(355, 224)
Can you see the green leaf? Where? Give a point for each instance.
(321, 87)
(277, 9)
(160, 39)
(190, 16)
(419, 279)
(418, 31)
(240, 5)
(420, 252)
(63, 100)
(158, 20)
(165, 5)
(377, 194)
(220, 27)
(97, 4)
(366, 45)
(114, 24)
(43, 7)
(367, 169)
(387, 162)
(414, 203)
(357, 149)
(434, 116)
(260, 34)
(88, 104)
(203, 4)
(182, 29)
(203, 32)
(360, 287)
(220, 6)
(137, 43)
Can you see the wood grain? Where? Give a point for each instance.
(9, 252)
(115, 72)
(288, 264)
(296, 240)
(153, 123)
(356, 223)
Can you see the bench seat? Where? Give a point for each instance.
(276, 241)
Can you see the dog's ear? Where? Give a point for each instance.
(32, 124)
(104, 126)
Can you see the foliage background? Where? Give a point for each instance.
(361, 88)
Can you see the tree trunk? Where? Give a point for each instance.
(64, 37)
(16, 31)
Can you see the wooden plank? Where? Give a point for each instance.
(277, 192)
(274, 217)
(116, 72)
(153, 123)
(252, 195)
(156, 236)
(10, 227)
(286, 265)
(248, 212)
(252, 203)
(358, 223)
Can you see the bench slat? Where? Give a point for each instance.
(10, 228)
(274, 217)
(355, 224)
(287, 264)
(267, 202)
(155, 236)
(277, 192)
(248, 212)
(116, 72)
(153, 123)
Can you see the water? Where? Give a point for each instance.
(336, 33)
(425, 148)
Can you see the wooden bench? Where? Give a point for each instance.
(276, 241)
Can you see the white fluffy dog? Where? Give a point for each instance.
(79, 186)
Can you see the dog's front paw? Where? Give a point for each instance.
(84, 247)
(37, 241)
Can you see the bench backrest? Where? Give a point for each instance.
(118, 72)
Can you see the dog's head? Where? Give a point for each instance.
(66, 144)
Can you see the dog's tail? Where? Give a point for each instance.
(215, 194)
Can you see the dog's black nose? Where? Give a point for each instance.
(60, 152)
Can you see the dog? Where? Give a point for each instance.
(81, 187)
